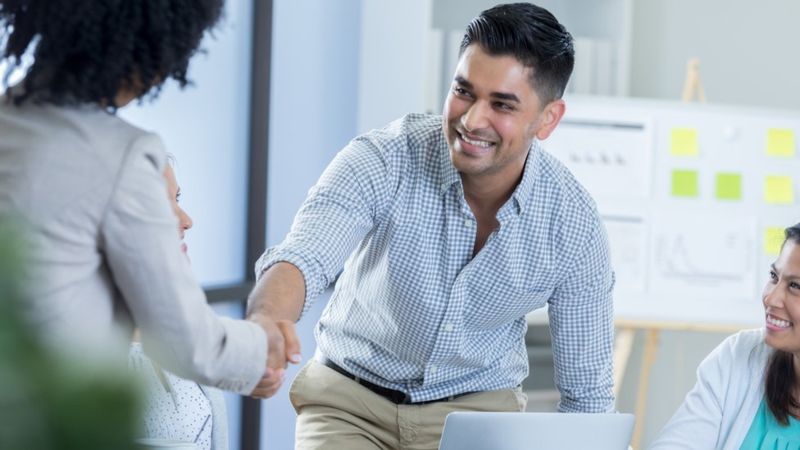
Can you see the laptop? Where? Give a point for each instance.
(536, 431)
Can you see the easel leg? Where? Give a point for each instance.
(648, 357)
(623, 344)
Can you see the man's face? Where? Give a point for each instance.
(492, 114)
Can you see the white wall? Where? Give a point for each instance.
(314, 98)
(747, 50)
(392, 61)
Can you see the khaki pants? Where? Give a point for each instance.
(336, 413)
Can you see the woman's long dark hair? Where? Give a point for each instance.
(780, 379)
(86, 51)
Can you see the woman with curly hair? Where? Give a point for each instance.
(104, 255)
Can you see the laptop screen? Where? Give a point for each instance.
(536, 431)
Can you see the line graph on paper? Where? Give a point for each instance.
(677, 261)
(704, 256)
(627, 240)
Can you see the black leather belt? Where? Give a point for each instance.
(396, 397)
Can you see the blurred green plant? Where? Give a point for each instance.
(48, 401)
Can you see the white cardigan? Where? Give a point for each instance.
(718, 411)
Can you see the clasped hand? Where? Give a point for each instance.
(284, 348)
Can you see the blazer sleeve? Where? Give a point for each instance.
(142, 248)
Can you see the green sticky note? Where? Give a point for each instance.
(778, 190)
(729, 186)
(780, 142)
(683, 142)
(773, 239)
(685, 183)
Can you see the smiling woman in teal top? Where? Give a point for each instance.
(747, 394)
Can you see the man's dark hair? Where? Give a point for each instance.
(533, 36)
(780, 379)
(85, 51)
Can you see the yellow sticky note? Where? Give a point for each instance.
(729, 186)
(685, 183)
(780, 142)
(778, 190)
(773, 239)
(683, 142)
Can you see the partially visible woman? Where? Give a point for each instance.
(104, 252)
(747, 394)
(174, 408)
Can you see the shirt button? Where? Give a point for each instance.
(433, 369)
(448, 327)
(467, 222)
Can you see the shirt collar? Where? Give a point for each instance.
(523, 191)
(449, 175)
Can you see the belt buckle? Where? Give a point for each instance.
(404, 400)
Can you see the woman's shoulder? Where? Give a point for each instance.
(110, 131)
(746, 340)
(746, 347)
(79, 131)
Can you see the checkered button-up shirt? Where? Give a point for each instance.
(413, 310)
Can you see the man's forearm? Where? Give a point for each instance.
(279, 294)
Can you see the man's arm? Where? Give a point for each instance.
(275, 304)
(582, 326)
(279, 293)
(338, 212)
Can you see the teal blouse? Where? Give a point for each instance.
(767, 434)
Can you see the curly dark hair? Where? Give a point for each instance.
(86, 51)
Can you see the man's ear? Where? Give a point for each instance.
(551, 116)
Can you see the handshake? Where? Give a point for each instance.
(283, 348)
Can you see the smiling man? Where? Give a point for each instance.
(444, 233)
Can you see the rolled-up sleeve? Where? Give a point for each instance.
(338, 212)
(178, 327)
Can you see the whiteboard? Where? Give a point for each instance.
(692, 197)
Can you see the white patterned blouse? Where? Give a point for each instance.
(179, 409)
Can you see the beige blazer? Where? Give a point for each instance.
(105, 253)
